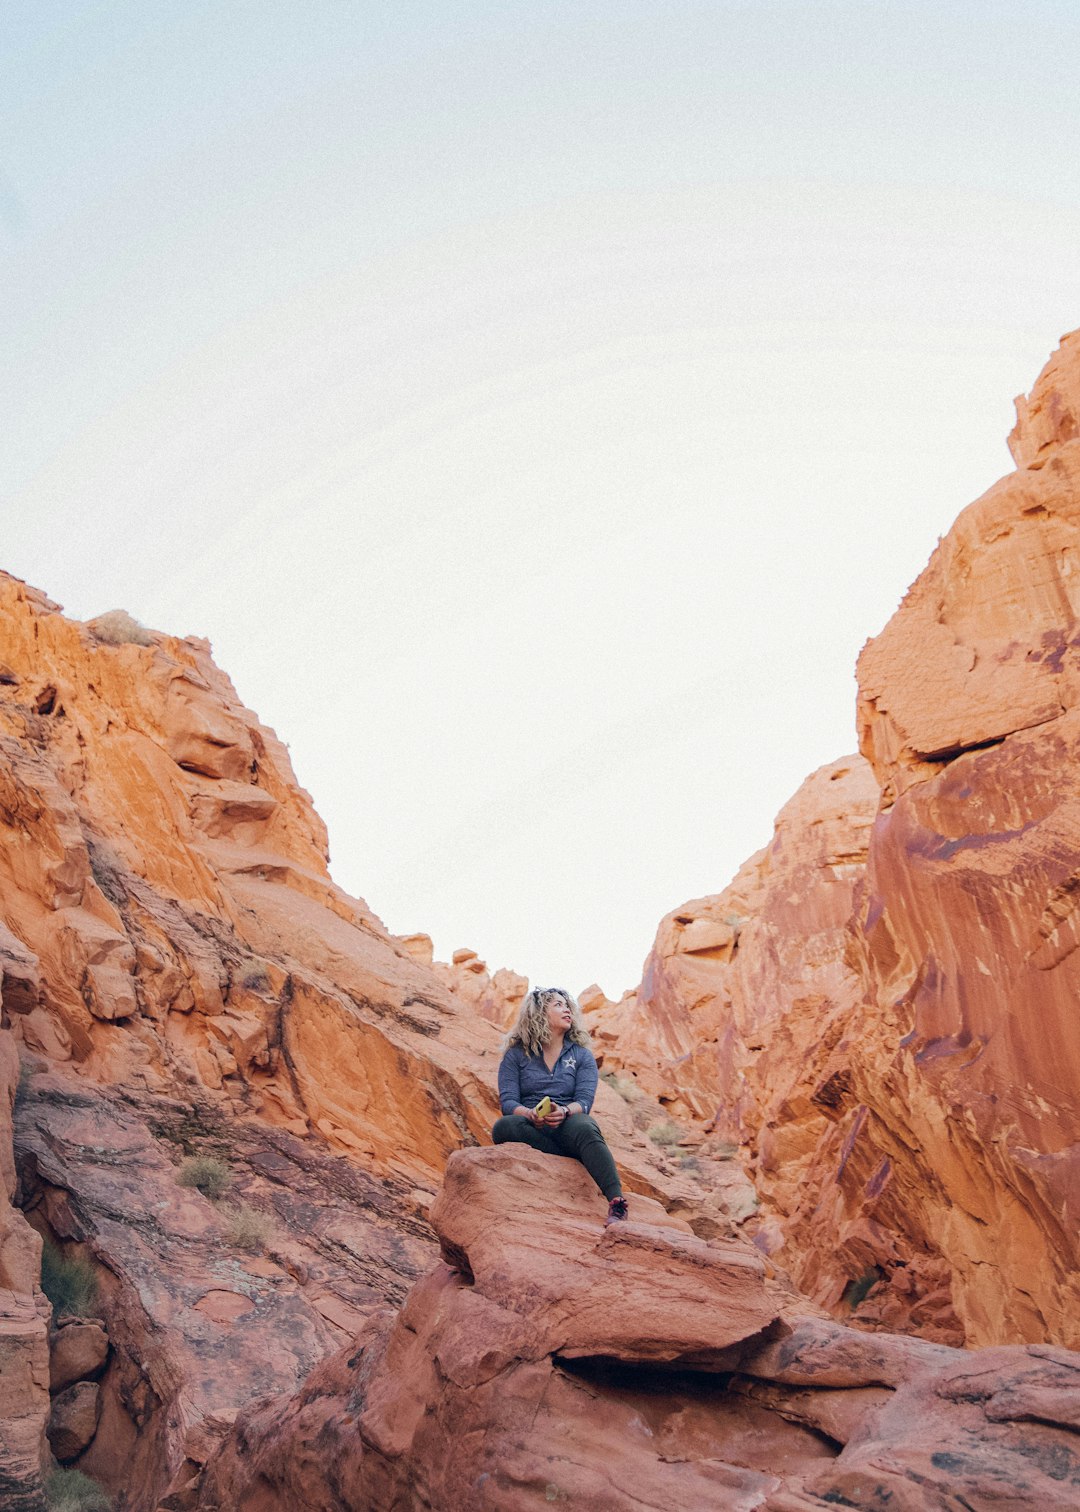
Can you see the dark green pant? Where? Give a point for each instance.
(578, 1136)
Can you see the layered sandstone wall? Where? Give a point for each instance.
(24, 1352)
(882, 1006)
(183, 981)
(969, 709)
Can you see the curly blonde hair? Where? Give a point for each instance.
(531, 1031)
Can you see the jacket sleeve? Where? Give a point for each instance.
(585, 1080)
(510, 1080)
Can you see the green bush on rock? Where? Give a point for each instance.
(72, 1491)
(207, 1174)
(70, 1283)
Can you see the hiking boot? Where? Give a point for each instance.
(616, 1210)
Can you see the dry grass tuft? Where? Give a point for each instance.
(625, 1088)
(207, 1174)
(665, 1133)
(72, 1491)
(70, 1283)
(118, 628)
(246, 1227)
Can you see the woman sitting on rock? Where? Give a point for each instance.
(547, 1061)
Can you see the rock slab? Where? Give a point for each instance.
(547, 1361)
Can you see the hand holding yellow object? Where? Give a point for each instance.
(543, 1107)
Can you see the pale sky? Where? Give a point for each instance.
(537, 405)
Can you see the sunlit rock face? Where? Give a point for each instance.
(1049, 416)
(881, 1008)
(750, 1023)
(173, 922)
(969, 710)
(182, 979)
(637, 1367)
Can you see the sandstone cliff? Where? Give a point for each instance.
(881, 1007)
(184, 982)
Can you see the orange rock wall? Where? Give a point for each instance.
(169, 915)
(881, 1007)
(181, 976)
(969, 709)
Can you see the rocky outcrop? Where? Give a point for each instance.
(1049, 416)
(881, 1007)
(732, 978)
(496, 996)
(24, 1353)
(552, 1361)
(747, 1025)
(73, 1420)
(77, 1352)
(969, 709)
(174, 923)
(184, 979)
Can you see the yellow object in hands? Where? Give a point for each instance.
(543, 1107)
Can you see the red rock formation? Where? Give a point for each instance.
(744, 1024)
(24, 1353)
(183, 977)
(969, 709)
(735, 974)
(885, 1018)
(552, 1361)
(495, 996)
(878, 1012)
(1050, 415)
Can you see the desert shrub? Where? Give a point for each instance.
(72, 1491)
(642, 1114)
(118, 628)
(70, 1283)
(724, 1149)
(207, 1174)
(246, 1227)
(690, 1163)
(626, 1089)
(666, 1133)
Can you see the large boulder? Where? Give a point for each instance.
(551, 1360)
(73, 1420)
(77, 1352)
